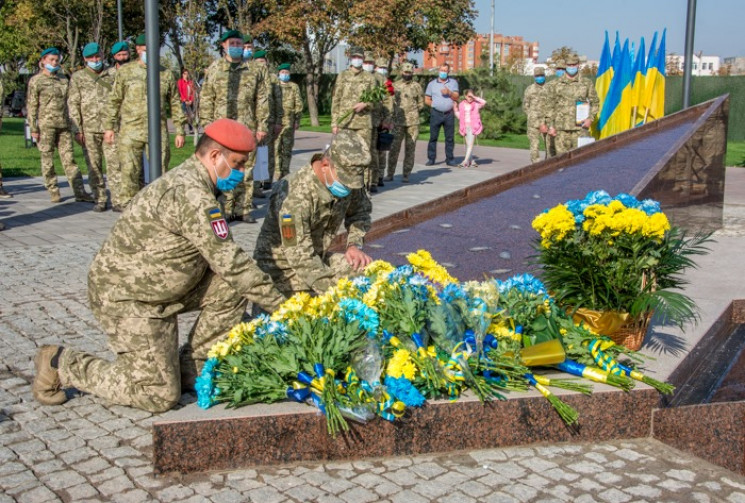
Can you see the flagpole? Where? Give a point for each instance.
(688, 64)
(491, 42)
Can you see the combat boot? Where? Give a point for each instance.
(47, 387)
(85, 198)
(100, 207)
(54, 195)
(4, 194)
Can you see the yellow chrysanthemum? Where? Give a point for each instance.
(292, 308)
(379, 268)
(502, 331)
(423, 262)
(401, 364)
(656, 226)
(554, 225)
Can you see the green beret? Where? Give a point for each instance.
(119, 47)
(50, 50)
(247, 39)
(284, 66)
(230, 34)
(91, 49)
(140, 40)
(261, 53)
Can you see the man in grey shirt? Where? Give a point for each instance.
(440, 95)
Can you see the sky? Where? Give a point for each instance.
(581, 24)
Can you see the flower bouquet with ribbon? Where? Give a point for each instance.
(614, 262)
(372, 96)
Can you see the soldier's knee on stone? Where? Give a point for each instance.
(159, 398)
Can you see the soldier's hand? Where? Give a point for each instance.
(357, 258)
(180, 140)
(543, 129)
(334, 130)
(551, 131)
(260, 135)
(359, 107)
(587, 123)
(108, 136)
(35, 136)
(80, 139)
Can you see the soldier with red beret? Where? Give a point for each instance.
(170, 252)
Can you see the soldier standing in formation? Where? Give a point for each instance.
(408, 103)
(127, 109)
(119, 57)
(50, 125)
(287, 108)
(87, 98)
(382, 121)
(534, 108)
(231, 90)
(306, 210)
(571, 106)
(259, 58)
(347, 111)
(136, 299)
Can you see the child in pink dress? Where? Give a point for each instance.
(469, 118)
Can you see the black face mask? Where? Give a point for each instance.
(121, 61)
(407, 77)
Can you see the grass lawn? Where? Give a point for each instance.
(17, 160)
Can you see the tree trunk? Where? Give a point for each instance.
(311, 83)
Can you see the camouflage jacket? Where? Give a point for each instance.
(561, 98)
(407, 102)
(164, 243)
(46, 102)
(287, 104)
(127, 107)
(312, 217)
(534, 105)
(350, 84)
(237, 91)
(382, 112)
(87, 98)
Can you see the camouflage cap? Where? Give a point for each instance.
(119, 47)
(368, 56)
(91, 49)
(572, 59)
(407, 68)
(351, 156)
(230, 34)
(381, 63)
(560, 63)
(539, 70)
(356, 51)
(140, 40)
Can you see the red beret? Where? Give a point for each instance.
(232, 135)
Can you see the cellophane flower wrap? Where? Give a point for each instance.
(617, 254)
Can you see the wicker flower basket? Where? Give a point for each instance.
(632, 333)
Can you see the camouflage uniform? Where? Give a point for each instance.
(288, 107)
(533, 106)
(127, 109)
(349, 86)
(48, 115)
(562, 96)
(170, 252)
(241, 92)
(87, 98)
(301, 222)
(408, 102)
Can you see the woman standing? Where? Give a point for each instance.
(469, 118)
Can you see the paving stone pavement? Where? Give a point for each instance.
(89, 450)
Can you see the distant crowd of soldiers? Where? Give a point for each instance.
(560, 111)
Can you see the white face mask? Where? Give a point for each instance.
(368, 67)
(382, 71)
(356, 62)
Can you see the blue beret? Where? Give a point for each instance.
(91, 49)
(50, 50)
(119, 47)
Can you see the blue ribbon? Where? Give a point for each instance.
(304, 378)
(298, 395)
(417, 338)
(571, 367)
(530, 379)
(318, 367)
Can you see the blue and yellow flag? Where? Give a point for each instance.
(638, 86)
(654, 95)
(616, 114)
(605, 73)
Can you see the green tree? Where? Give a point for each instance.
(502, 113)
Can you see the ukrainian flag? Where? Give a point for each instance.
(616, 113)
(655, 84)
(605, 73)
(638, 86)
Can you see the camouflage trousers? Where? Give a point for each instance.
(535, 136)
(95, 151)
(567, 140)
(147, 371)
(131, 177)
(407, 135)
(372, 171)
(283, 145)
(271, 158)
(61, 139)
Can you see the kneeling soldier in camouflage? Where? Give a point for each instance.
(170, 252)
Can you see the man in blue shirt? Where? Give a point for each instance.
(440, 95)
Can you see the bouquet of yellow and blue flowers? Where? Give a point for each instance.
(616, 260)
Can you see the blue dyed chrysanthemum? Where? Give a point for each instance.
(597, 197)
(401, 274)
(402, 389)
(524, 283)
(204, 386)
(355, 310)
(650, 207)
(627, 200)
(362, 283)
(451, 292)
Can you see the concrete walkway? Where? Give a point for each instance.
(89, 450)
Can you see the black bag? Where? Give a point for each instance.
(385, 141)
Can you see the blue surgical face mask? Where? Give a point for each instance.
(229, 183)
(143, 58)
(336, 188)
(443, 75)
(50, 68)
(95, 65)
(540, 80)
(235, 52)
(559, 73)
(247, 53)
(284, 77)
(572, 70)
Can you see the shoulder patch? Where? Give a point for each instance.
(218, 223)
(289, 232)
